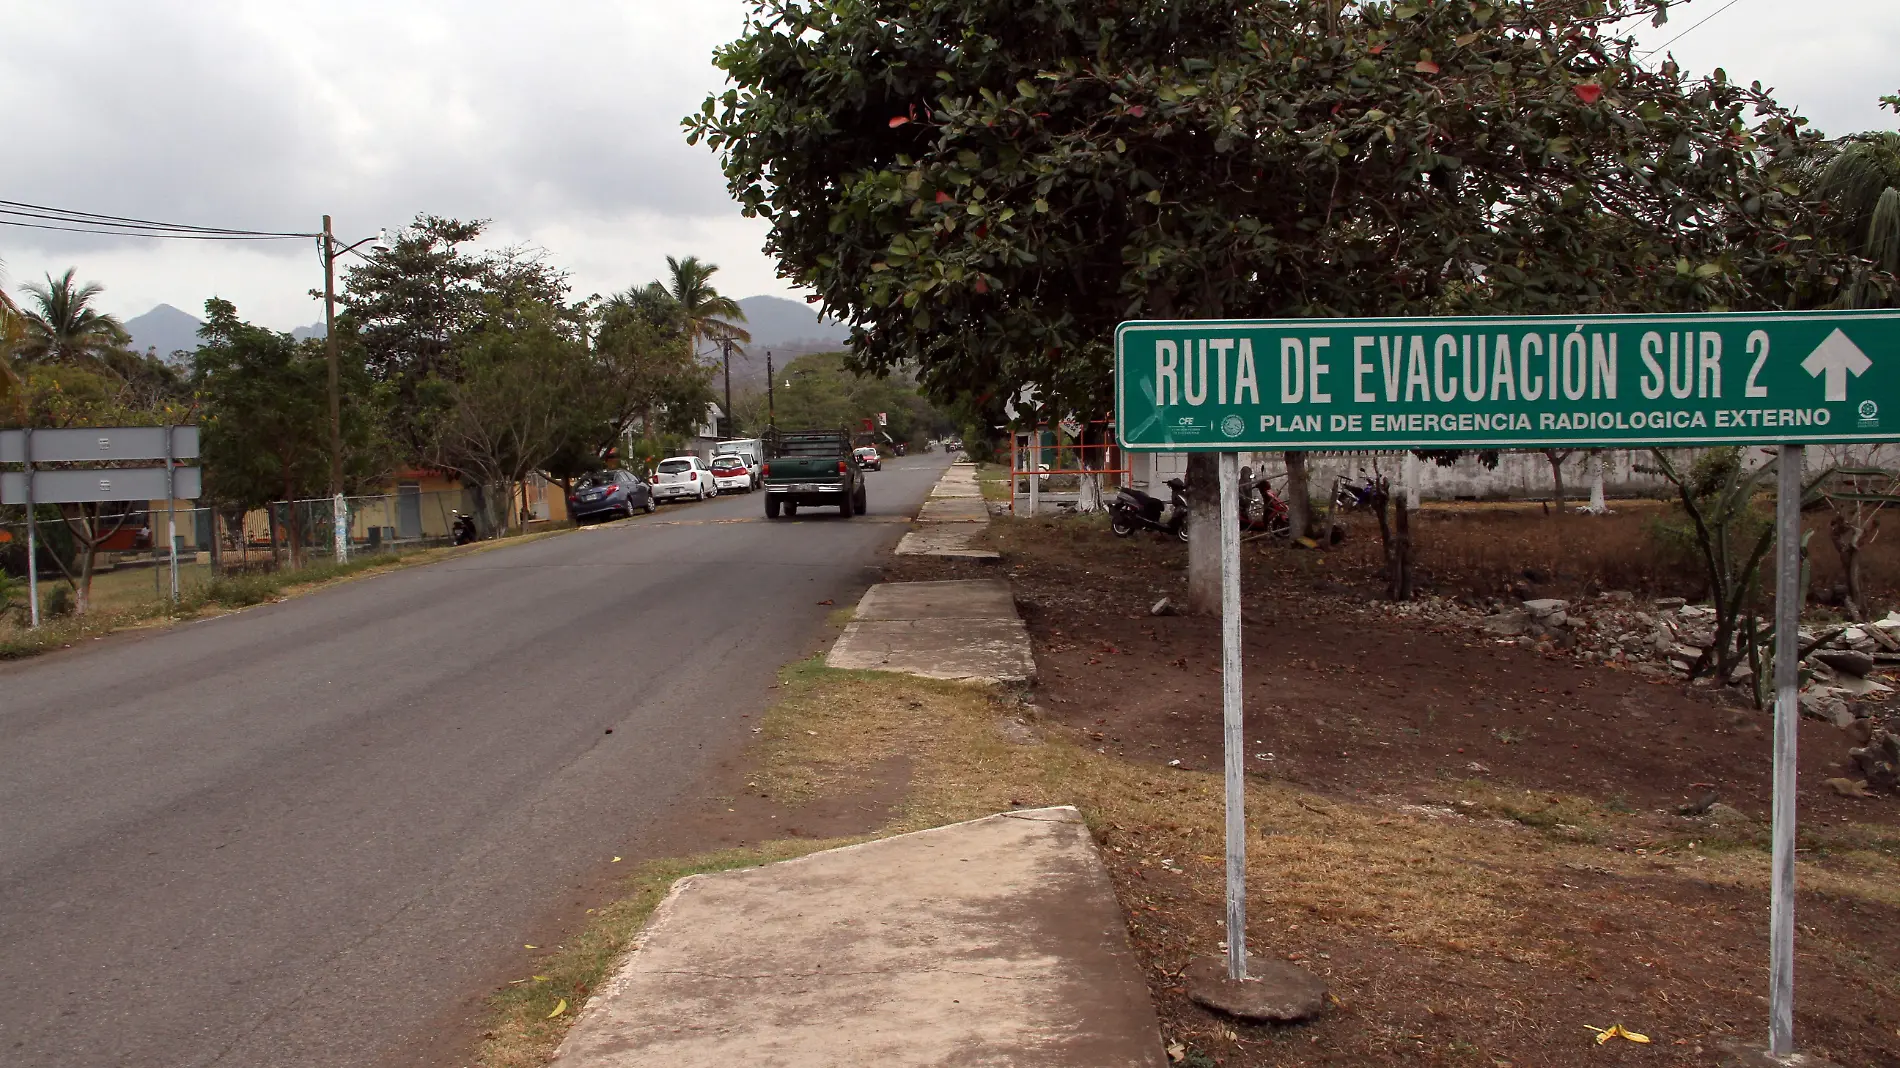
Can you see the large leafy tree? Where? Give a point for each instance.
(412, 307)
(985, 189)
(266, 420)
(61, 325)
(510, 405)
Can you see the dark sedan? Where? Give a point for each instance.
(609, 493)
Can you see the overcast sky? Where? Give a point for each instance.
(558, 121)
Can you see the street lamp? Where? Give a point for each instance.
(330, 252)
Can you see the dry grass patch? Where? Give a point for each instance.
(1482, 925)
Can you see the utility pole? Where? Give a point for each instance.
(731, 423)
(771, 407)
(340, 512)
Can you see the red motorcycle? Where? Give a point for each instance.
(1261, 509)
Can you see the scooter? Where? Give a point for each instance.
(1133, 510)
(463, 529)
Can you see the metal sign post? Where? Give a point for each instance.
(171, 511)
(92, 485)
(1590, 381)
(1787, 720)
(1231, 723)
(32, 534)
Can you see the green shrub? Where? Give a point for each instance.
(59, 603)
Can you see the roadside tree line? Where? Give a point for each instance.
(478, 363)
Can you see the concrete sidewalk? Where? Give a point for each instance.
(965, 630)
(996, 942)
(953, 516)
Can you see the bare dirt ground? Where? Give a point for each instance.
(1476, 845)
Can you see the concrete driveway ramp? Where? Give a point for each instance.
(953, 599)
(996, 942)
(962, 630)
(954, 510)
(946, 539)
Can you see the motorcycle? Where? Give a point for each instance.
(1133, 510)
(1262, 509)
(1348, 497)
(463, 529)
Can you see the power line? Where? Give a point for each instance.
(14, 213)
(1691, 29)
(175, 236)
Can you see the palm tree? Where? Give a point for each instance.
(708, 315)
(1861, 182)
(65, 327)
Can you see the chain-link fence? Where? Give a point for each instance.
(131, 562)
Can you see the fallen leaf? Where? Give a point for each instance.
(559, 1008)
(539, 978)
(826, 601)
(524, 945)
(616, 860)
(1176, 1051)
(1604, 1034)
(1425, 66)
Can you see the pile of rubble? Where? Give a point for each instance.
(1669, 636)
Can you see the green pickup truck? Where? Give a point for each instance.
(811, 467)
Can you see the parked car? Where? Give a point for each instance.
(868, 458)
(681, 478)
(751, 450)
(731, 473)
(812, 467)
(608, 493)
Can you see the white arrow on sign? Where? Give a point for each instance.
(1836, 357)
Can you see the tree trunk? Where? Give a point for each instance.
(1847, 539)
(1399, 556)
(1203, 492)
(88, 557)
(1090, 498)
(293, 521)
(1597, 505)
(1557, 476)
(1299, 500)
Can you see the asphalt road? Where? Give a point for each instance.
(297, 834)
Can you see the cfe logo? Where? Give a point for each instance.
(1869, 414)
(1233, 426)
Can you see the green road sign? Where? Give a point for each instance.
(1491, 382)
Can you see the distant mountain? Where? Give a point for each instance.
(775, 323)
(164, 329)
(305, 333)
(787, 329)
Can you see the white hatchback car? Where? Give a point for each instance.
(683, 478)
(731, 474)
